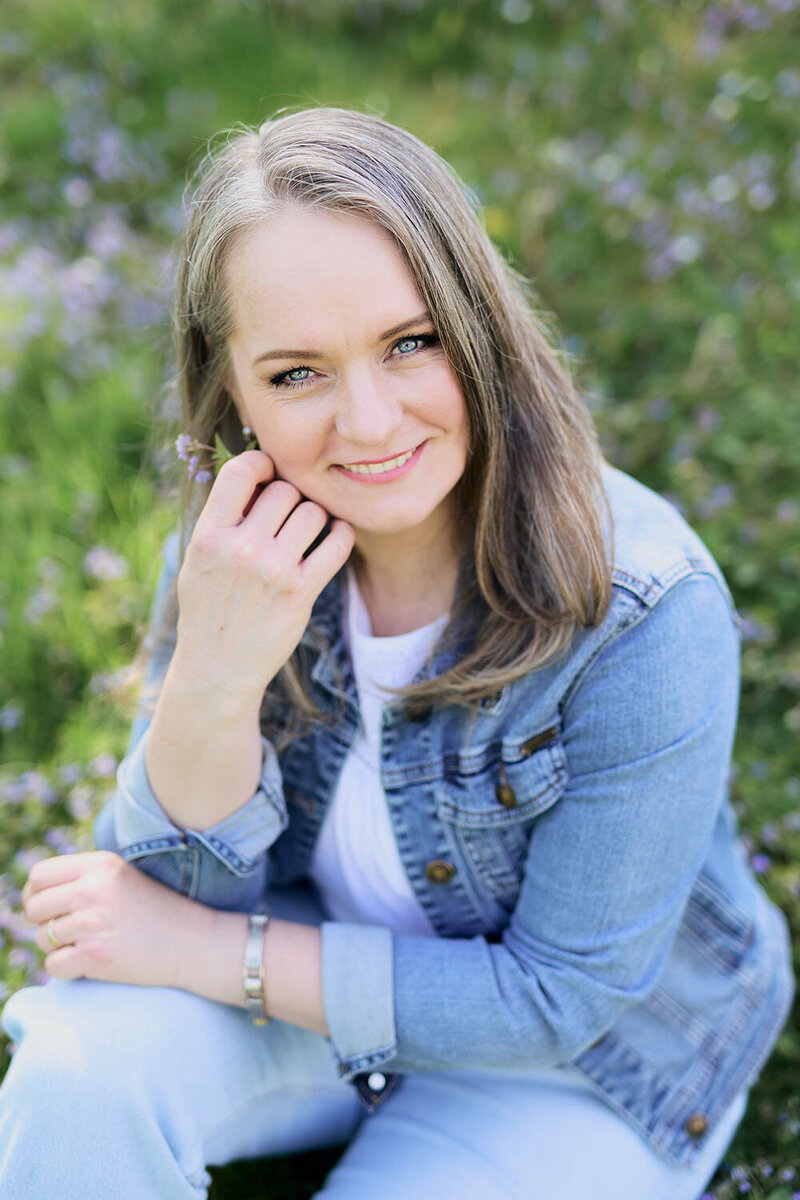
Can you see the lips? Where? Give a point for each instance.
(385, 471)
(379, 468)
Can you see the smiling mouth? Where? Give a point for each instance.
(379, 468)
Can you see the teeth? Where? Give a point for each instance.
(378, 468)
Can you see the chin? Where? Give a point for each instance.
(389, 524)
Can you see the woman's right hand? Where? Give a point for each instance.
(245, 591)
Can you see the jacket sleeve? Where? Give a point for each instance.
(224, 866)
(648, 730)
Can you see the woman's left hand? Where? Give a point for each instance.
(113, 922)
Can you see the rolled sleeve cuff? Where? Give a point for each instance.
(142, 827)
(360, 1020)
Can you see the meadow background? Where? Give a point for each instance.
(640, 161)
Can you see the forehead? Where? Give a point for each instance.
(311, 267)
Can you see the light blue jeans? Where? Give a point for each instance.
(134, 1091)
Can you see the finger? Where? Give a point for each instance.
(64, 929)
(61, 869)
(304, 524)
(65, 963)
(50, 902)
(233, 488)
(272, 508)
(330, 556)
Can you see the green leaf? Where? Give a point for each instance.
(222, 453)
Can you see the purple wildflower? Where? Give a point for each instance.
(19, 956)
(760, 863)
(60, 840)
(104, 564)
(80, 801)
(202, 476)
(103, 766)
(183, 444)
(11, 717)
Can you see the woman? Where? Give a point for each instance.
(447, 696)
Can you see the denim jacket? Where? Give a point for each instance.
(573, 845)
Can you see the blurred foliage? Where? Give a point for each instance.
(640, 161)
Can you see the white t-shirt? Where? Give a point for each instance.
(356, 865)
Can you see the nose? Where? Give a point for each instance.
(369, 411)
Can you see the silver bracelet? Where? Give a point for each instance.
(253, 969)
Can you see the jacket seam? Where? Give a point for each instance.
(631, 620)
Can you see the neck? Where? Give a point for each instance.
(407, 580)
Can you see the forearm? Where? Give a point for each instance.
(212, 955)
(203, 752)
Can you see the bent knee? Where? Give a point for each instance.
(86, 1027)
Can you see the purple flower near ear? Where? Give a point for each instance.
(203, 476)
(183, 444)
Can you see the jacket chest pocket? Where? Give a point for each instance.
(490, 804)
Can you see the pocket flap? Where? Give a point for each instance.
(511, 784)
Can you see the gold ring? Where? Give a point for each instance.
(51, 934)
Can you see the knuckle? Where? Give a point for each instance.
(312, 509)
(238, 467)
(35, 875)
(286, 492)
(204, 542)
(244, 554)
(110, 860)
(98, 956)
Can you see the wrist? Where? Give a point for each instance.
(208, 698)
(210, 956)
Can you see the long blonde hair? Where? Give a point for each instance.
(538, 564)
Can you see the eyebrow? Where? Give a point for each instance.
(388, 333)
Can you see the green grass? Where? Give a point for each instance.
(640, 161)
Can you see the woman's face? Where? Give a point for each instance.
(337, 369)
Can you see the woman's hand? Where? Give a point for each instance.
(114, 922)
(245, 591)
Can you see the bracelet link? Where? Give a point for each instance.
(253, 969)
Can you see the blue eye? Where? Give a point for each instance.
(293, 378)
(415, 343)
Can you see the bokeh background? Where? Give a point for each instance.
(639, 160)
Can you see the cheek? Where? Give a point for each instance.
(295, 446)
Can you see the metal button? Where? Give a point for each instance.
(696, 1125)
(376, 1082)
(504, 791)
(439, 871)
